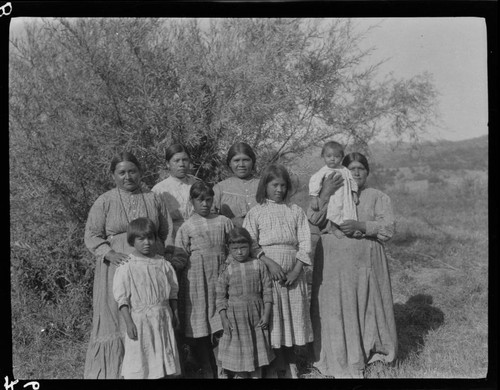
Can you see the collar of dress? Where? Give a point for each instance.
(138, 190)
(246, 180)
(181, 181)
(270, 201)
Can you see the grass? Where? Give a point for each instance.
(438, 261)
(439, 269)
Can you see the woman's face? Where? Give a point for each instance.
(241, 165)
(359, 173)
(178, 165)
(276, 190)
(127, 176)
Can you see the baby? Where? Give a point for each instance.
(342, 204)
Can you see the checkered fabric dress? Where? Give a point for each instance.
(200, 248)
(282, 232)
(234, 196)
(242, 290)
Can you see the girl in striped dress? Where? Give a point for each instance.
(200, 251)
(244, 299)
(281, 240)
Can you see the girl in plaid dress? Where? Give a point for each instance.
(281, 240)
(244, 299)
(200, 250)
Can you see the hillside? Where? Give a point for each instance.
(411, 169)
(469, 154)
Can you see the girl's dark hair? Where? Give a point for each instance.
(332, 145)
(355, 156)
(200, 189)
(239, 235)
(174, 149)
(271, 172)
(140, 227)
(240, 147)
(121, 157)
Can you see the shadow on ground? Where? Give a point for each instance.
(414, 319)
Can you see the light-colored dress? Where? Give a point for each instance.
(243, 289)
(282, 232)
(351, 306)
(341, 206)
(146, 285)
(174, 193)
(200, 248)
(234, 197)
(106, 229)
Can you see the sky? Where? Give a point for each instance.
(452, 49)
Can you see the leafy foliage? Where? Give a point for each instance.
(83, 89)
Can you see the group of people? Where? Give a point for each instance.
(219, 272)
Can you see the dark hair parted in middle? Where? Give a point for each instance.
(355, 156)
(200, 190)
(243, 148)
(121, 157)
(174, 149)
(271, 172)
(140, 227)
(239, 235)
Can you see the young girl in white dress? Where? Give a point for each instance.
(282, 241)
(146, 290)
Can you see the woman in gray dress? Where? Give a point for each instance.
(106, 238)
(351, 307)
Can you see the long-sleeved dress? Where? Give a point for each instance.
(174, 193)
(351, 305)
(146, 285)
(200, 249)
(233, 197)
(106, 229)
(282, 232)
(242, 290)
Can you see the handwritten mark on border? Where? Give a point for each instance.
(10, 385)
(4, 9)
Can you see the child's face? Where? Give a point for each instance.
(333, 158)
(145, 245)
(276, 190)
(240, 251)
(202, 205)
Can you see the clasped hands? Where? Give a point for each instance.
(349, 226)
(285, 278)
